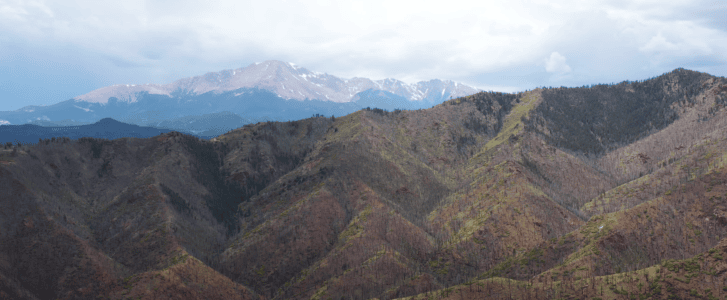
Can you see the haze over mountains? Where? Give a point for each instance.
(612, 192)
(271, 90)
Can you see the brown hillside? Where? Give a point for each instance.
(611, 191)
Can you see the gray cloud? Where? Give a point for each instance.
(579, 42)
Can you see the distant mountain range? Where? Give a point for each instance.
(106, 128)
(287, 81)
(271, 90)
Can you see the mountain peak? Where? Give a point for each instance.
(275, 64)
(107, 121)
(287, 80)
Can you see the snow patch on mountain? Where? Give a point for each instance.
(85, 109)
(286, 79)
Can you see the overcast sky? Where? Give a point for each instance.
(51, 51)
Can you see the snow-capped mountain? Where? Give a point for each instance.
(288, 81)
(219, 101)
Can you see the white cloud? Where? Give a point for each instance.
(556, 64)
(159, 41)
(657, 44)
(4, 122)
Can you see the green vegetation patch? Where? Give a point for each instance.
(500, 269)
(320, 293)
(626, 190)
(355, 227)
(129, 281)
(535, 254)
(690, 265)
(179, 258)
(715, 254)
(584, 252)
(348, 128)
(375, 257)
(598, 226)
(512, 126)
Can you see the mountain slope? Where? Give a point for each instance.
(488, 194)
(109, 205)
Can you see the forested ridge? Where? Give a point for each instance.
(601, 118)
